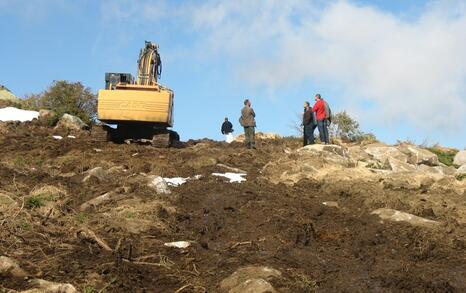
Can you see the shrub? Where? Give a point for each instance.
(35, 202)
(445, 156)
(65, 97)
(347, 128)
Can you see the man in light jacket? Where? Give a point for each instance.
(247, 120)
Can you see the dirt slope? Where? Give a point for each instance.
(230, 225)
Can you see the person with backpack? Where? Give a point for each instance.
(323, 116)
(309, 124)
(247, 120)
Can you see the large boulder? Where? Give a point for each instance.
(400, 166)
(383, 153)
(43, 286)
(460, 158)
(250, 279)
(417, 155)
(70, 122)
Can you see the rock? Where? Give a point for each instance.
(382, 153)
(424, 169)
(319, 148)
(47, 117)
(43, 286)
(417, 155)
(398, 216)
(9, 268)
(260, 136)
(99, 200)
(461, 170)
(178, 244)
(98, 173)
(6, 203)
(400, 166)
(159, 184)
(447, 170)
(253, 286)
(460, 158)
(356, 153)
(332, 204)
(70, 122)
(250, 279)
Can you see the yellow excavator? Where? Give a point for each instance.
(138, 110)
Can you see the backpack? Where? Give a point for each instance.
(240, 120)
(328, 112)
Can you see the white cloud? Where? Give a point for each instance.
(408, 69)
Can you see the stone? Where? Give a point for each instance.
(382, 153)
(43, 286)
(248, 278)
(6, 203)
(461, 170)
(460, 158)
(253, 286)
(398, 216)
(417, 155)
(332, 204)
(424, 169)
(356, 153)
(98, 173)
(260, 136)
(9, 268)
(319, 148)
(159, 184)
(400, 166)
(70, 122)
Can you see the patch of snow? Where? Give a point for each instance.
(71, 136)
(176, 181)
(234, 177)
(57, 137)
(178, 244)
(15, 114)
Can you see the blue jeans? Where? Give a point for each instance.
(309, 133)
(323, 131)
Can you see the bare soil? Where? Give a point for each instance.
(231, 225)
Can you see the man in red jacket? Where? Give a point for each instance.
(319, 109)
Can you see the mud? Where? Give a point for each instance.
(317, 248)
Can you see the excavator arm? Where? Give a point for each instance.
(149, 65)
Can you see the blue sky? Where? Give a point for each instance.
(398, 66)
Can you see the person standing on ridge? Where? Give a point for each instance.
(247, 120)
(320, 110)
(309, 124)
(227, 129)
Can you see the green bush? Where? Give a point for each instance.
(65, 97)
(444, 156)
(345, 127)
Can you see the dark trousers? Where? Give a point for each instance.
(323, 131)
(249, 136)
(309, 133)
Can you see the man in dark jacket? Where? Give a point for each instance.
(227, 127)
(309, 123)
(247, 120)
